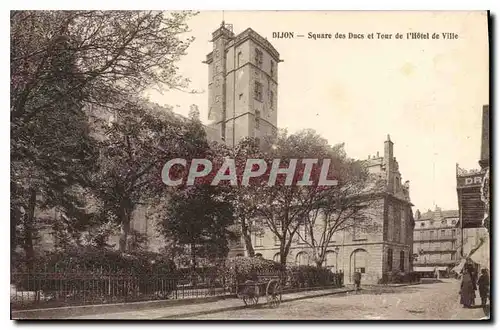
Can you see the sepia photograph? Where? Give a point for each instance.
(250, 165)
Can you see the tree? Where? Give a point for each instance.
(198, 216)
(281, 208)
(61, 63)
(51, 152)
(243, 203)
(118, 54)
(352, 205)
(133, 150)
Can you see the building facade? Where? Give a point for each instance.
(375, 253)
(242, 85)
(436, 239)
(473, 187)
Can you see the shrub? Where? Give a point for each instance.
(309, 276)
(241, 269)
(67, 269)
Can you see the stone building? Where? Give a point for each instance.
(242, 85)
(435, 241)
(373, 253)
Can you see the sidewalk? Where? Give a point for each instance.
(186, 311)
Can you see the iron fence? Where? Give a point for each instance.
(43, 290)
(66, 288)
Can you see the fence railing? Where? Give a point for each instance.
(56, 289)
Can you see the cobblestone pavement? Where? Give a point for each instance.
(436, 301)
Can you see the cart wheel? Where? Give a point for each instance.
(253, 298)
(273, 293)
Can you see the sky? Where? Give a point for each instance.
(427, 94)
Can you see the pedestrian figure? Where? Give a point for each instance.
(484, 286)
(357, 280)
(467, 294)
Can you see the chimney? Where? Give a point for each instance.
(388, 163)
(485, 138)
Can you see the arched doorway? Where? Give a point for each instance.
(331, 258)
(359, 262)
(302, 259)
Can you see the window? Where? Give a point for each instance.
(258, 238)
(217, 99)
(272, 68)
(361, 270)
(422, 224)
(257, 119)
(389, 259)
(240, 59)
(402, 261)
(359, 259)
(276, 257)
(258, 57)
(453, 232)
(257, 94)
(241, 96)
(431, 234)
(302, 259)
(276, 240)
(271, 99)
(443, 233)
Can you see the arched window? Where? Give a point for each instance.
(277, 257)
(331, 260)
(302, 259)
(239, 255)
(359, 261)
(258, 255)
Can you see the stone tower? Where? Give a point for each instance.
(242, 85)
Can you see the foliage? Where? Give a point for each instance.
(101, 260)
(62, 64)
(240, 269)
(309, 276)
(280, 207)
(197, 216)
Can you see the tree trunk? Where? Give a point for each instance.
(29, 227)
(124, 230)
(247, 238)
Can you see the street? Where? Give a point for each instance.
(436, 301)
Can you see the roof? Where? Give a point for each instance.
(438, 214)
